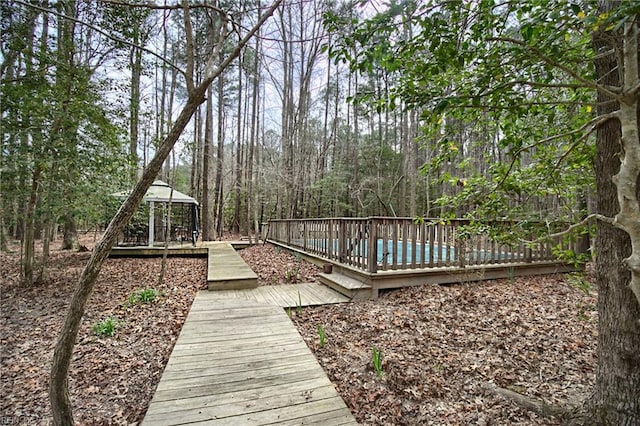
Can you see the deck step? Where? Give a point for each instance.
(350, 287)
(226, 270)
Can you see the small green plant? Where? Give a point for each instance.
(376, 357)
(106, 327)
(512, 275)
(291, 275)
(298, 256)
(289, 312)
(322, 335)
(146, 295)
(578, 281)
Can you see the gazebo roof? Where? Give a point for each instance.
(160, 191)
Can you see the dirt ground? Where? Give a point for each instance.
(440, 346)
(443, 347)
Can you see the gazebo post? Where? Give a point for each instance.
(151, 223)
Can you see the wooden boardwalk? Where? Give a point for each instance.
(286, 296)
(226, 269)
(241, 362)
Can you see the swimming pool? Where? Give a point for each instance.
(418, 252)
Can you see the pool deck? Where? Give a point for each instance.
(242, 362)
(358, 284)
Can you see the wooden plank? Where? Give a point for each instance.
(286, 296)
(394, 236)
(168, 406)
(270, 408)
(143, 251)
(214, 388)
(198, 370)
(327, 418)
(273, 373)
(188, 362)
(233, 368)
(226, 269)
(289, 413)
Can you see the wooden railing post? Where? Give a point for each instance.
(372, 249)
(342, 240)
(304, 235)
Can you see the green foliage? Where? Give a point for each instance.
(291, 275)
(322, 336)
(513, 76)
(106, 327)
(376, 359)
(579, 281)
(57, 126)
(143, 296)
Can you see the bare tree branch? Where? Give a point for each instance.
(571, 228)
(101, 31)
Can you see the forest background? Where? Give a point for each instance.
(488, 110)
(286, 132)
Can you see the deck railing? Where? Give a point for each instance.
(381, 243)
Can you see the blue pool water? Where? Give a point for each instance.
(359, 248)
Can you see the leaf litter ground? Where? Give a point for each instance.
(440, 345)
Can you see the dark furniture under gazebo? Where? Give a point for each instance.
(166, 214)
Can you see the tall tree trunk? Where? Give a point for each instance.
(167, 236)
(48, 231)
(207, 212)
(219, 189)
(237, 182)
(58, 385)
(135, 59)
(616, 400)
(255, 101)
(28, 244)
(413, 165)
(70, 233)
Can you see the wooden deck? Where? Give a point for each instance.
(286, 296)
(185, 249)
(241, 362)
(226, 269)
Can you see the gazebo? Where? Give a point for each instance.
(152, 223)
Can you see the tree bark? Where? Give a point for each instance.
(219, 184)
(237, 181)
(616, 399)
(207, 214)
(70, 233)
(135, 61)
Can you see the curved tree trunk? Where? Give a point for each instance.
(61, 407)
